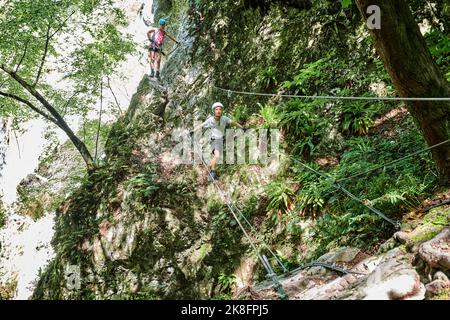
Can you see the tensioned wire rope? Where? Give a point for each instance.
(329, 97)
(270, 273)
(230, 205)
(391, 163)
(328, 178)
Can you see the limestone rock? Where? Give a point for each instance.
(440, 276)
(394, 279)
(436, 252)
(401, 236)
(436, 287)
(340, 255)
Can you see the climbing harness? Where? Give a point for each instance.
(157, 40)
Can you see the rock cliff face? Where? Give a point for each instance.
(145, 226)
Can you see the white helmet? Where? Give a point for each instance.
(215, 105)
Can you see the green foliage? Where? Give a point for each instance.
(270, 116)
(101, 57)
(144, 185)
(439, 45)
(226, 281)
(290, 263)
(340, 221)
(2, 214)
(268, 77)
(304, 126)
(443, 294)
(226, 239)
(346, 3)
(80, 37)
(361, 230)
(311, 73)
(357, 117)
(393, 191)
(88, 134)
(310, 199)
(31, 205)
(241, 114)
(281, 199)
(8, 290)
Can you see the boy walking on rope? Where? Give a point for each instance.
(217, 123)
(156, 37)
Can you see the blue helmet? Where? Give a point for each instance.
(162, 22)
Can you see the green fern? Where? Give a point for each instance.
(226, 281)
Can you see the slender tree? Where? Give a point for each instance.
(414, 73)
(76, 42)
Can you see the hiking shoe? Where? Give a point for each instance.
(157, 75)
(152, 73)
(212, 176)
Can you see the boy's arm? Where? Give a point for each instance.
(236, 124)
(198, 127)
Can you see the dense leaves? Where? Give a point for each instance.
(54, 55)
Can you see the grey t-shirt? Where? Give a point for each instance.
(217, 127)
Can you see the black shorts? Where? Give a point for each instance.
(155, 49)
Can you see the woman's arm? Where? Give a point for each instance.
(150, 32)
(172, 38)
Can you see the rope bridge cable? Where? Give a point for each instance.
(258, 236)
(396, 224)
(388, 164)
(270, 272)
(260, 240)
(325, 265)
(229, 92)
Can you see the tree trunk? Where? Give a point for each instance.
(57, 118)
(414, 73)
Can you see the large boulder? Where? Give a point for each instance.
(436, 252)
(394, 279)
(436, 287)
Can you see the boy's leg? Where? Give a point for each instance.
(213, 175)
(215, 159)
